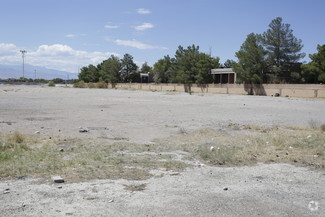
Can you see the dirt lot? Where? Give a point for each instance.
(136, 117)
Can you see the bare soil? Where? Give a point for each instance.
(138, 117)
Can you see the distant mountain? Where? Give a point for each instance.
(16, 71)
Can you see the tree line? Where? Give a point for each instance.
(271, 57)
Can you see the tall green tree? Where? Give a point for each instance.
(228, 63)
(145, 68)
(203, 66)
(314, 71)
(110, 70)
(283, 48)
(162, 69)
(251, 66)
(129, 69)
(89, 74)
(184, 64)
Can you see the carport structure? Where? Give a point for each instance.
(224, 76)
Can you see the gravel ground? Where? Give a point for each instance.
(140, 117)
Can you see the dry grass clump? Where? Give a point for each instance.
(80, 84)
(82, 159)
(303, 146)
(78, 159)
(135, 187)
(101, 84)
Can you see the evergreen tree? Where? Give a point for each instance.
(162, 70)
(314, 71)
(129, 69)
(283, 49)
(251, 66)
(110, 70)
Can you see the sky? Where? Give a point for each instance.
(69, 34)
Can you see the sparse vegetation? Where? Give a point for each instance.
(80, 84)
(101, 84)
(51, 84)
(132, 188)
(82, 159)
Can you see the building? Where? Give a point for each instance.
(224, 76)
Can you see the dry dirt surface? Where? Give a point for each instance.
(143, 118)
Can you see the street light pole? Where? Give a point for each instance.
(23, 52)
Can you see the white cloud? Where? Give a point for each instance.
(143, 11)
(56, 56)
(111, 27)
(6, 49)
(144, 26)
(70, 35)
(137, 44)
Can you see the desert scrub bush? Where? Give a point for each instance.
(80, 84)
(91, 85)
(101, 84)
(51, 84)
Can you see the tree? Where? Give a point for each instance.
(204, 66)
(251, 66)
(283, 48)
(314, 71)
(89, 74)
(229, 63)
(129, 69)
(110, 69)
(184, 64)
(145, 68)
(162, 70)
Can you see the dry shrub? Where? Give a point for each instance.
(102, 84)
(135, 187)
(80, 84)
(91, 85)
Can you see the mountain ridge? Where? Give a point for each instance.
(38, 72)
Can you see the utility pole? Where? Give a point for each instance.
(35, 74)
(23, 52)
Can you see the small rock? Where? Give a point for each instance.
(57, 179)
(308, 136)
(290, 147)
(225, 189)
(111, 201)
(212, 148)
(276, 94)
(199, 164)
(61, 150)
(7, 191)
(82, 130)
(21, 177)
(37, 132)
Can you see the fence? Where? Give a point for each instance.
(285, 90)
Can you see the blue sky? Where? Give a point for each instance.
(69, 34)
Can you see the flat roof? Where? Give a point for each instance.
(222, 71)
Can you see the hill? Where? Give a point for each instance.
(15, 71)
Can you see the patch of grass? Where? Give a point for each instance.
(135, 187)
(313, 124)
(322, 127)
(83, 159)
(303, 146)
